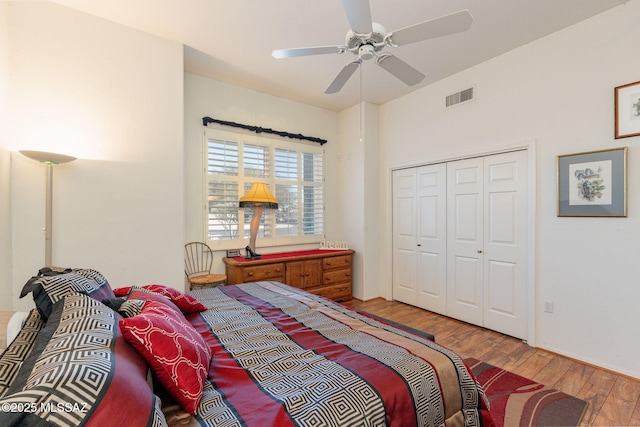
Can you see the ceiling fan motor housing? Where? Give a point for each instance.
(366, 45)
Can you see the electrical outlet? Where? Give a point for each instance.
(548, 306)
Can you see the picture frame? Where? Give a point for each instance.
(627, 110)
(593, 183)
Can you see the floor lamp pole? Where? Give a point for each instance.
(49, 159)
(48, 227)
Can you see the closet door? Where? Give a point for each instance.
(459, 240)
(432, 237)
(505, 248)
(419, 237)
(465, 240)
(405, 247)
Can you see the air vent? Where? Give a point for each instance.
(459, 97)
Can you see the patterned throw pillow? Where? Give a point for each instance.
(51, 286)
(131, 307)
(126, 307)
(81, 371)
(185, 302)
(176, 352)
(143, 294)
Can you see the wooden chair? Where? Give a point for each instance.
(197, 267)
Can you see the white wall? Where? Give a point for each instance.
(359, 194)
(351, 194)
(209, 98)
(6, 302)
(113, 97)
(558, 91)
(5, 160)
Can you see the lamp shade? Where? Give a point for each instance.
(47, 158)
(259, 194)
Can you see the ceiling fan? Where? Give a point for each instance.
(367, 40)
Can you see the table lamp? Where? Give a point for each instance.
(257, 197)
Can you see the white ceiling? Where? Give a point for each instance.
(232, 40)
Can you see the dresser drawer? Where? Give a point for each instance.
(334, 262)
(340, 292)
(264, 272)
(336, 276)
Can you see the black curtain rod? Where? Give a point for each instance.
(258, 129)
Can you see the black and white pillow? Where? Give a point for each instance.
(126, 307)
(51, 286)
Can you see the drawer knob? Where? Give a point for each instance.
(250, 273)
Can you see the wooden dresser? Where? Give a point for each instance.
(321, 272)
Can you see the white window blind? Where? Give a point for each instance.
(294, 174)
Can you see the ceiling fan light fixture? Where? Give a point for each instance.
(366, 52)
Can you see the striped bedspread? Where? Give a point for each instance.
(284, 357)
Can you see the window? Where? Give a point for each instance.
(294, 173)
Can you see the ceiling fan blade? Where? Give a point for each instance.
(343, 76)
(359, 15)
(306, 51)
(405, 72)
(442, 26)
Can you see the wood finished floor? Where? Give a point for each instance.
(614, 400)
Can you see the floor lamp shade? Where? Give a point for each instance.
(258, 197)
(49, 159)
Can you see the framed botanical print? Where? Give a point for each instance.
(627, 110)
(593, 183)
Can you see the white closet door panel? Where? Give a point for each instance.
(465, 240)
(501, 276)
(405, 249)
(429, 273)
(432, 241)
(429, 218)
(505, 246)
(404, 281)
(468, 228)
(406, 218)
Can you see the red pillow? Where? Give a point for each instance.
(175, 351)
(152, 296)
(185, 302)
(122, 292)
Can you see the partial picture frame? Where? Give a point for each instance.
(593, 183)
(627, 110)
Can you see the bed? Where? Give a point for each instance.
(257, 354)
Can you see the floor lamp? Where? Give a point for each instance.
(49, 159)
(258, 197)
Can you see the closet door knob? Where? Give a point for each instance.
(479, 251)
